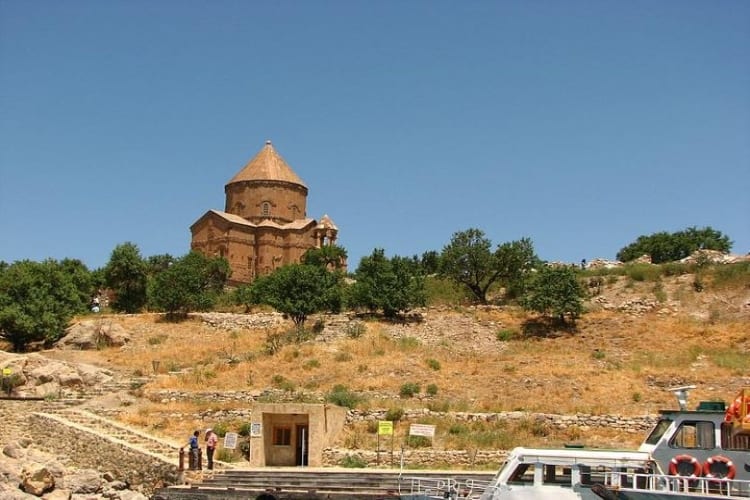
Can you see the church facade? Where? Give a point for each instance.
(264, 224)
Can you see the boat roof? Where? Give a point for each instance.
(567, 456)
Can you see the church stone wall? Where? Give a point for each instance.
(287, 201)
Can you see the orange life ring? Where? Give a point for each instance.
(674, 463)
(733, 412)
(731, 469)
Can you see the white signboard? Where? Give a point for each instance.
(422, 430)
(230, 440)
(256, 429)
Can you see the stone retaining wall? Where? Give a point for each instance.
(85, 450)
(416, 459)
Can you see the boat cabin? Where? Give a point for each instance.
(564, 473)
(710, 441)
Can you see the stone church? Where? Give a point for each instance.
(264, 224)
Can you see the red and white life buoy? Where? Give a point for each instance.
(731, 469)
(686, 459)
(733, 412)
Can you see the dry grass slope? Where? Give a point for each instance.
(475, 359)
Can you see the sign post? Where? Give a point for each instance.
(385, 428)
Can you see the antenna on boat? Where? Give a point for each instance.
(682, 394)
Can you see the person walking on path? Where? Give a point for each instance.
(211, 441)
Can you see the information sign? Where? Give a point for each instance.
(230, 440)
(422, 430)
(385, 428)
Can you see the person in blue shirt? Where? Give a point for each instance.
(194, 459)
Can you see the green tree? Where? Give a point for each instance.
(669, 247)
(37, 300)
(430, 262)
(327, 256)
(191, 283)
(469, 261)
(126, 274)
(555, 292)
(82, 278)
(298, 290)
(391, 285)
(158, 263)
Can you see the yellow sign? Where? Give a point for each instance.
(385, 427)
(7, 371)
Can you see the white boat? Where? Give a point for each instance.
(689, 455)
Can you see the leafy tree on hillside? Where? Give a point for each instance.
(299, 290)
(430, 262)
(158, 263)
(126, 274)
(669, 247)
(82, 278)
(469, 261)
(555, 292)
(391, 285)
(191, 283)
(327, 256)
(37, 300)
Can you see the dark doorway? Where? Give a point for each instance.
(302, 440)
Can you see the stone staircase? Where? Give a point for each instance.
(316, 483)
(86, 421)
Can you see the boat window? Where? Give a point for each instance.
(658, 431)
(557, 475)
(524, 474)
(732, 441)
(698, 435)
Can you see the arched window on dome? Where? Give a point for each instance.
(265, 209)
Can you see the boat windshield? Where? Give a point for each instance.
(659, 429)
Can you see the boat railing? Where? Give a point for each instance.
(442, 488)
(680, 484)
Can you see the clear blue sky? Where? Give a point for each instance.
(579, 124)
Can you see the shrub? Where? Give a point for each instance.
(598, 354)
(226, 455)
(310, 364)
(342, 396)
(457, 429)
(353, 462)
(418, 441)
(409, 389)
(408, 343)
(318, 326)
(10, 382)
(157, 339)
(342, 357)
(244, 429)
(220, 429)
(355, 329)
(394, 414)
(432, 389)
(433, 364)
(505, 335)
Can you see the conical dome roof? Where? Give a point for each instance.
(267, 165)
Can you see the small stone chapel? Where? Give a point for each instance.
(264, 224)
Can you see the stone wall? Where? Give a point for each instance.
(73, 446)
(418, 458)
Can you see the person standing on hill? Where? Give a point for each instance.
(194, 459)
(211, 441)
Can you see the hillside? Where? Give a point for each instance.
(638, 338)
